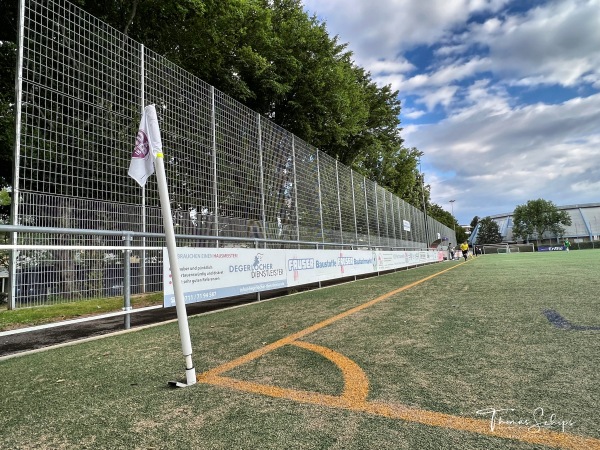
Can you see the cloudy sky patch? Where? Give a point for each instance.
(502, 96)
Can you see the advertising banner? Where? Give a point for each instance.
(311, 266)
(551, 248)
(209, 274)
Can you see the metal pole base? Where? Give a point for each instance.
(190, 375)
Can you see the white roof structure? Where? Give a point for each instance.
(585, 224)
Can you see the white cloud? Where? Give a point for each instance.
(413, 113)
(387, 27)
(493, 150)
(502, 160)
(553, 44)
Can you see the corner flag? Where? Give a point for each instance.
(147, 145)
(146, 155)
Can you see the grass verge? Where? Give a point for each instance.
(38, 315)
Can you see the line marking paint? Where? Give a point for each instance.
(356, 389)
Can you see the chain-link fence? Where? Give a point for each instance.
(231, 173)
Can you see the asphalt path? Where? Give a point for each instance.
(37, 339)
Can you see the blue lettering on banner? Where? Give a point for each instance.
(301, 264)
(345, 261)
(249, 267)
(550, 248)
(325, 264)
(363, 261)
(258, 269)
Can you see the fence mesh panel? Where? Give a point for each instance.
(230, 172)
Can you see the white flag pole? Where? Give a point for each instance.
(184, 331)
(149, 135)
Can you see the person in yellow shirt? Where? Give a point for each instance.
(465, 250)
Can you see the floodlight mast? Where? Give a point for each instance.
(454, 220)
(424, 204)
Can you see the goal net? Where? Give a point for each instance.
(495, 248)
(507, 248)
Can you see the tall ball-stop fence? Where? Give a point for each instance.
(235, 178)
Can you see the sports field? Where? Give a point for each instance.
(500, 352)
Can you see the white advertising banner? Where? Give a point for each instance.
(212, 273)
(311, 266)
(209, 274)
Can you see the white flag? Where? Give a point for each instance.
(147, 145)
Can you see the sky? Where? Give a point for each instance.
(502, 97)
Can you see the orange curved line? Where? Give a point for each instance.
(355, 390)
(300, 334)
(431, 418)
(356, 384)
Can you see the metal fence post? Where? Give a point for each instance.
(377, 213)
(337, 179)
(262, 177)
(367, 211)
(320, 199)
(213, 127)
(142, 105)
(354, 206)
(295, 189)
(14, 239)
(393, 218)
(127, 281)
(387, 227)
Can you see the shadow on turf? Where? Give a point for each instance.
(560, 322)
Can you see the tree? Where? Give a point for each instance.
(446, 218)
(461, 234)
(537, 217)
(474, 222)
(274, 58)
(489, 232)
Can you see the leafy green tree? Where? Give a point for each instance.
(489, 232)
(446, 218)
(461, 234)
(7, 109)
(537, 217)
(8, 51)
(474, 222)
(274, 58)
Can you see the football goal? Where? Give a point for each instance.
(507, 248)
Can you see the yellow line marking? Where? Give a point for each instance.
(431, 418)
(356, 389)
(300, 334)
(356, 384)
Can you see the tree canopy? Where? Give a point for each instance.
(446, 218)
(537, 217)
(489, 232)
(273, 57)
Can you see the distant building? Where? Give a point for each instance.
(585, 226)
(467, 228)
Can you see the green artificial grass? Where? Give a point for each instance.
(472, 338)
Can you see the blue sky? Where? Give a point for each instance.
(501, 96)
